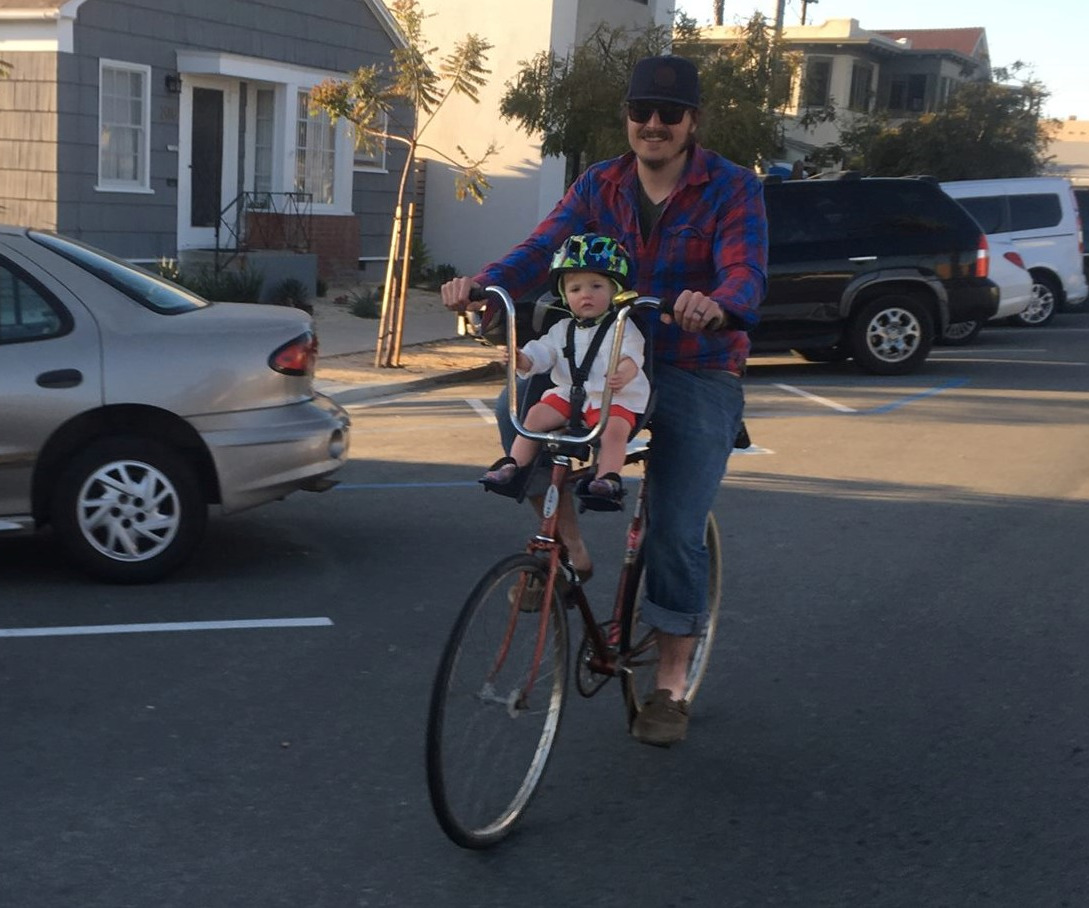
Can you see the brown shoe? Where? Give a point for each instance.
(662, 720)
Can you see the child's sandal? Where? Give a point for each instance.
(505, 477)
(605, 493)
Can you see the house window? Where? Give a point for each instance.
(315, 152)
(373, 158)
(264, 130)
(861, 79)
(124, 106)
(916, 93)
(818, 81)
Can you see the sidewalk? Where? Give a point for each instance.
(431, 350)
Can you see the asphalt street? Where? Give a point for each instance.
(894, 715)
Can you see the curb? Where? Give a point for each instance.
(375, 390)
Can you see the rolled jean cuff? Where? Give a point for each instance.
(679, 624)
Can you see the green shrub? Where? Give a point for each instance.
(293, 292)
(366, 302)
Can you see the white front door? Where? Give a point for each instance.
(207, 161)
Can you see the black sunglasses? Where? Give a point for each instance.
(669, 114)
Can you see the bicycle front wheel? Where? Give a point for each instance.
(638, 643)
(496, 704)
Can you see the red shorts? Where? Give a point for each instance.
(593, 414)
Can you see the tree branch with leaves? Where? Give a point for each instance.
(372, 98)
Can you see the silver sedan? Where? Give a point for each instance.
(129, 405)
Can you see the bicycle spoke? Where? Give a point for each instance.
(494, 711)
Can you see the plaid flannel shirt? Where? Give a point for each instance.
(711, 237)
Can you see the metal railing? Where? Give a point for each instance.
(263, 220)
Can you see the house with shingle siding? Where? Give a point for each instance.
(149, 127)
(903, 73)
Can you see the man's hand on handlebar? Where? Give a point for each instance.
(456, 293)
(695, 311)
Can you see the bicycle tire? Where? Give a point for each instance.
(637, 644)
(486, 752)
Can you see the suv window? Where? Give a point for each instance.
(1032, 212)
(26, 313)
(834, 211)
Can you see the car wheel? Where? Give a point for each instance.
(891, 335)
(128, 510)
(1041, 310)
(960, 334)
(823, 354)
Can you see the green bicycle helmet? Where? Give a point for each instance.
(590, 252)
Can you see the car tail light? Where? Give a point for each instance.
(297, 357)
(1014, 257)
(983, 256)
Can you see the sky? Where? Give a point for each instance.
(1048, 35)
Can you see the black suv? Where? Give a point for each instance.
(870, 269)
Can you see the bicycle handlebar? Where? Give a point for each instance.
(625, 303)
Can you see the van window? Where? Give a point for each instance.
(1033, 212)
(988, 210)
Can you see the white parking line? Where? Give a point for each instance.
(82, 630)
(483, 411)
(816, 398)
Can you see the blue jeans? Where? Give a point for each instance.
(696, 417)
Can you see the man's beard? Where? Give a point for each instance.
(662, 163)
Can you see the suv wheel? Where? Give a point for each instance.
(128, 510)
(1041, 310)
(891, 335)
(959, 334)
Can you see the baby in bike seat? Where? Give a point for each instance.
(587, 271)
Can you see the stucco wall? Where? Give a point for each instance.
(525, 187)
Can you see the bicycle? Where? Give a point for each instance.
(501, 685)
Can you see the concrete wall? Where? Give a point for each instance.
(28, 141)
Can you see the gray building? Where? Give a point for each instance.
(142, 126)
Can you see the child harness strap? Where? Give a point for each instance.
(580, 372)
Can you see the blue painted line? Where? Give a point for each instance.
(904, 401)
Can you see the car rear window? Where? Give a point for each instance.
(147, 289)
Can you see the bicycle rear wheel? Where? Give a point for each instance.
(488, 739)
(637, 640)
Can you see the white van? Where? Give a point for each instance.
(1039, 215)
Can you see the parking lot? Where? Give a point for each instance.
(894, 714)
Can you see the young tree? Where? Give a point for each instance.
(378, 94)
(569, 101)
(987, 130)
(574, 103)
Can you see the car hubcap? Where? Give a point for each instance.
(894, 335)
(129, 511)
(959, 330)
(1043, 302)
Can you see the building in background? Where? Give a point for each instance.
(151, 128)
(525, 187)
(1069, 151)
(904, 73)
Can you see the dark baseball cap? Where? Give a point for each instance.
(668, 78)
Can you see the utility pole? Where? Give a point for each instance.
(780, 11)
(805, 5)
(719, 11)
